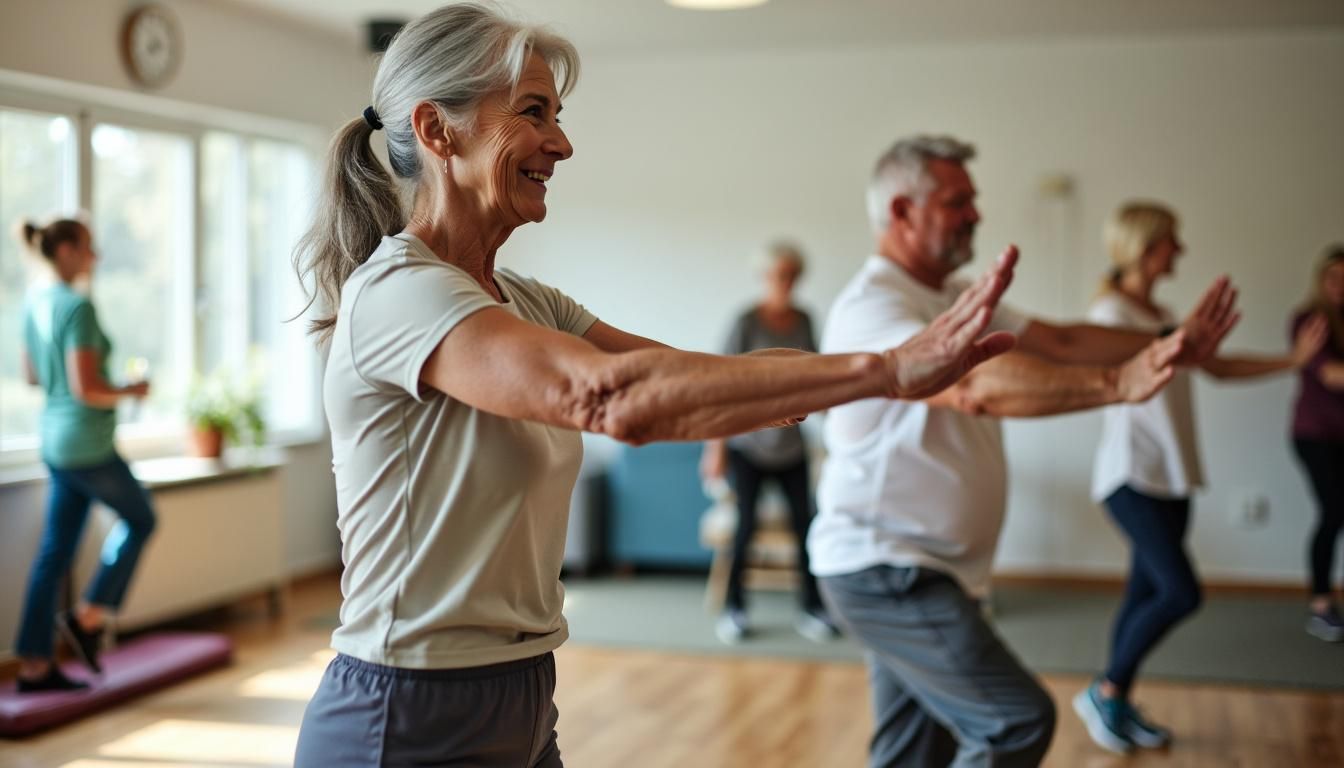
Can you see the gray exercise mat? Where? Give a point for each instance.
(1244, 640)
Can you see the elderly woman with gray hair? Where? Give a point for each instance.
(455, 393)
(777, 455)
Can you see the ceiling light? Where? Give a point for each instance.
(716, 5)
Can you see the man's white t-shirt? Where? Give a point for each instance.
(905, 484)
(452, 519)
(1148, 446)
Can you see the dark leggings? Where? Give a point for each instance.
(1324, 460)
(1162, 588)
(747, 478)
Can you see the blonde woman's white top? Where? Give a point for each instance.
(452, 519)
(1151, 447)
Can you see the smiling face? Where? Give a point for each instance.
(943, 226)
(510, 154)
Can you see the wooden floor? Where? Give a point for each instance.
(637, 708)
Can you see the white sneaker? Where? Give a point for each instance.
(816, 627)
(731, 626)
(1327, 626)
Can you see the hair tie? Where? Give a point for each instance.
(371, 117)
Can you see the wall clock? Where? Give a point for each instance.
(151, 45)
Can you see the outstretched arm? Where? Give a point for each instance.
(506, 366)
(1306, 344)
(1020, 385)
(1081, 344)
(1085, 344)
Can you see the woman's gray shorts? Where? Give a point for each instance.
(498, 716)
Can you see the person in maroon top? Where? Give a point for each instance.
(1318, 437)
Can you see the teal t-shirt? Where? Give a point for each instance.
(58, 320)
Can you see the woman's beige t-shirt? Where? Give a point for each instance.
(452, 519)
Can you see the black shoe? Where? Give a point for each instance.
(85, 644)
(54, 680)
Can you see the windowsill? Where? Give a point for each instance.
(171, 471)
(168, 471)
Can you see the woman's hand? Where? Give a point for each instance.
(1309, 340)
(951, 345)
(1209, 323)
(138, 390)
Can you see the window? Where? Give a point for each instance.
(256, 195)
(193, 227)
(142, 217)
(38, 178)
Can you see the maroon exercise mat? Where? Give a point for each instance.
(141, 665)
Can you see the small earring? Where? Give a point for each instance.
(445, 166)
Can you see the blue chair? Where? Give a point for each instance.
(654, 506)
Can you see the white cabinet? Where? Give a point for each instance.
(219, 536)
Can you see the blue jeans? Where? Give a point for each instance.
(72, 494)
(945, 688)
(1162, 588)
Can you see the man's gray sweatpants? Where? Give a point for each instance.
(499, 716)
(945, 688)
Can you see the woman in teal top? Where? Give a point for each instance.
(65, 353)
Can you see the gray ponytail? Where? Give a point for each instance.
(359, 205)
(454, 57)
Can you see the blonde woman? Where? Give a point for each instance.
(1318, 438)
(1148, 466)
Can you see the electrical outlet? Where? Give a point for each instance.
(1250, 510)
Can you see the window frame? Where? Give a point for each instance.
(86, 107)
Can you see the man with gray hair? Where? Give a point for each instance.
(912, 494)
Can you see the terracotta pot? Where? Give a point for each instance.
(205, 443)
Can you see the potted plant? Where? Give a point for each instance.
(220, 413)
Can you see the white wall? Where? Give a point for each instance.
(685, 163)
(234, 57)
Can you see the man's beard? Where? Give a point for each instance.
(960, 251)
(957, 257)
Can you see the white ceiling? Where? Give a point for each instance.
(653, 25)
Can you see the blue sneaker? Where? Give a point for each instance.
(1104, 718)
(1142, 732)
